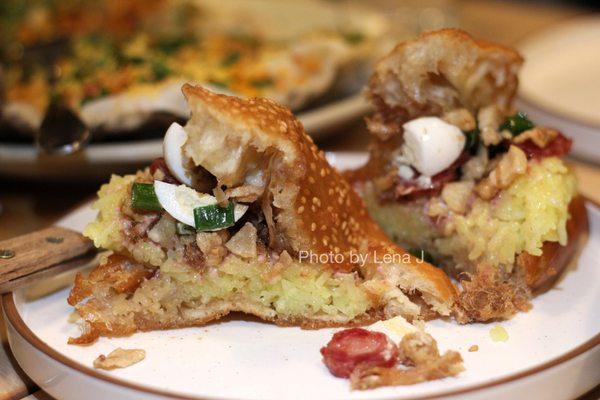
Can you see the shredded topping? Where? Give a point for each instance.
(421, 362)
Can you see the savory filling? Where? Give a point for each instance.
(224, 258)
(474, 193)
(189, 249)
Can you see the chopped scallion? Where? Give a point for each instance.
(144, 198)
(213, 217)
(231, 59)
(262, 83)
(219, 84)
(517, 124)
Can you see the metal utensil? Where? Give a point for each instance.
(62, 130)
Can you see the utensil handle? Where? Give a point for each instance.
(29, 254)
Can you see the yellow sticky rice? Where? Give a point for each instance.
(531, 211)
(298, 290)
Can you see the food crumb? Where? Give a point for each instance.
(498, 334)
(473, 348)
(119, 358)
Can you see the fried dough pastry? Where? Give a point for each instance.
(305, 252)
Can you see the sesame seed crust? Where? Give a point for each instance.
(314, 207)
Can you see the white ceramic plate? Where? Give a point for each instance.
(100, 160)
(560, 82)
(553, 351)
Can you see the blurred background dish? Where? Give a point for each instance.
(102, 159)
(560, 82)
(120, 66)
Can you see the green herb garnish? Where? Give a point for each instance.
(262, 83)
(160, 70)
(517, 124)
(220, 84)
(231, 59)
(472, 140)
(144, 198)
(169, 45)
(422, 255)
(212, 217)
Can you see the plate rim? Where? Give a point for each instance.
(527, 43)
(13, 317)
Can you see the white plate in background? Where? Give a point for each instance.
(553, 351)
(559, 83)
(99, 160)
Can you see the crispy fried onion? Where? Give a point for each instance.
(119, 358)
(243, 243)
(212, 246)
(511, 165)
(420, 361)
(539, 135)
(245, 193)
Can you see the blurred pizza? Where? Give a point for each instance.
(122, 62)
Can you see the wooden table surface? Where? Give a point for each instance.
(30, 205)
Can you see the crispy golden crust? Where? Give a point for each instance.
(314, 208)
(437, 72)
(119, 275)
(211, 312)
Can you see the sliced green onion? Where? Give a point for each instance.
(183, 229)
(219, 84)
(517, 124)
(144, 198)
(213, 217)
(231, 59)
(160, 70)
(262, 83)
(423, 255)
(472, 140)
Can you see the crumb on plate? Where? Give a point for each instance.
(119, 358)
(498, 334)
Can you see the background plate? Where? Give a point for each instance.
(553, 351)
(101, 159)
(560, 82)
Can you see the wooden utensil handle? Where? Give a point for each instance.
(31, 253)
